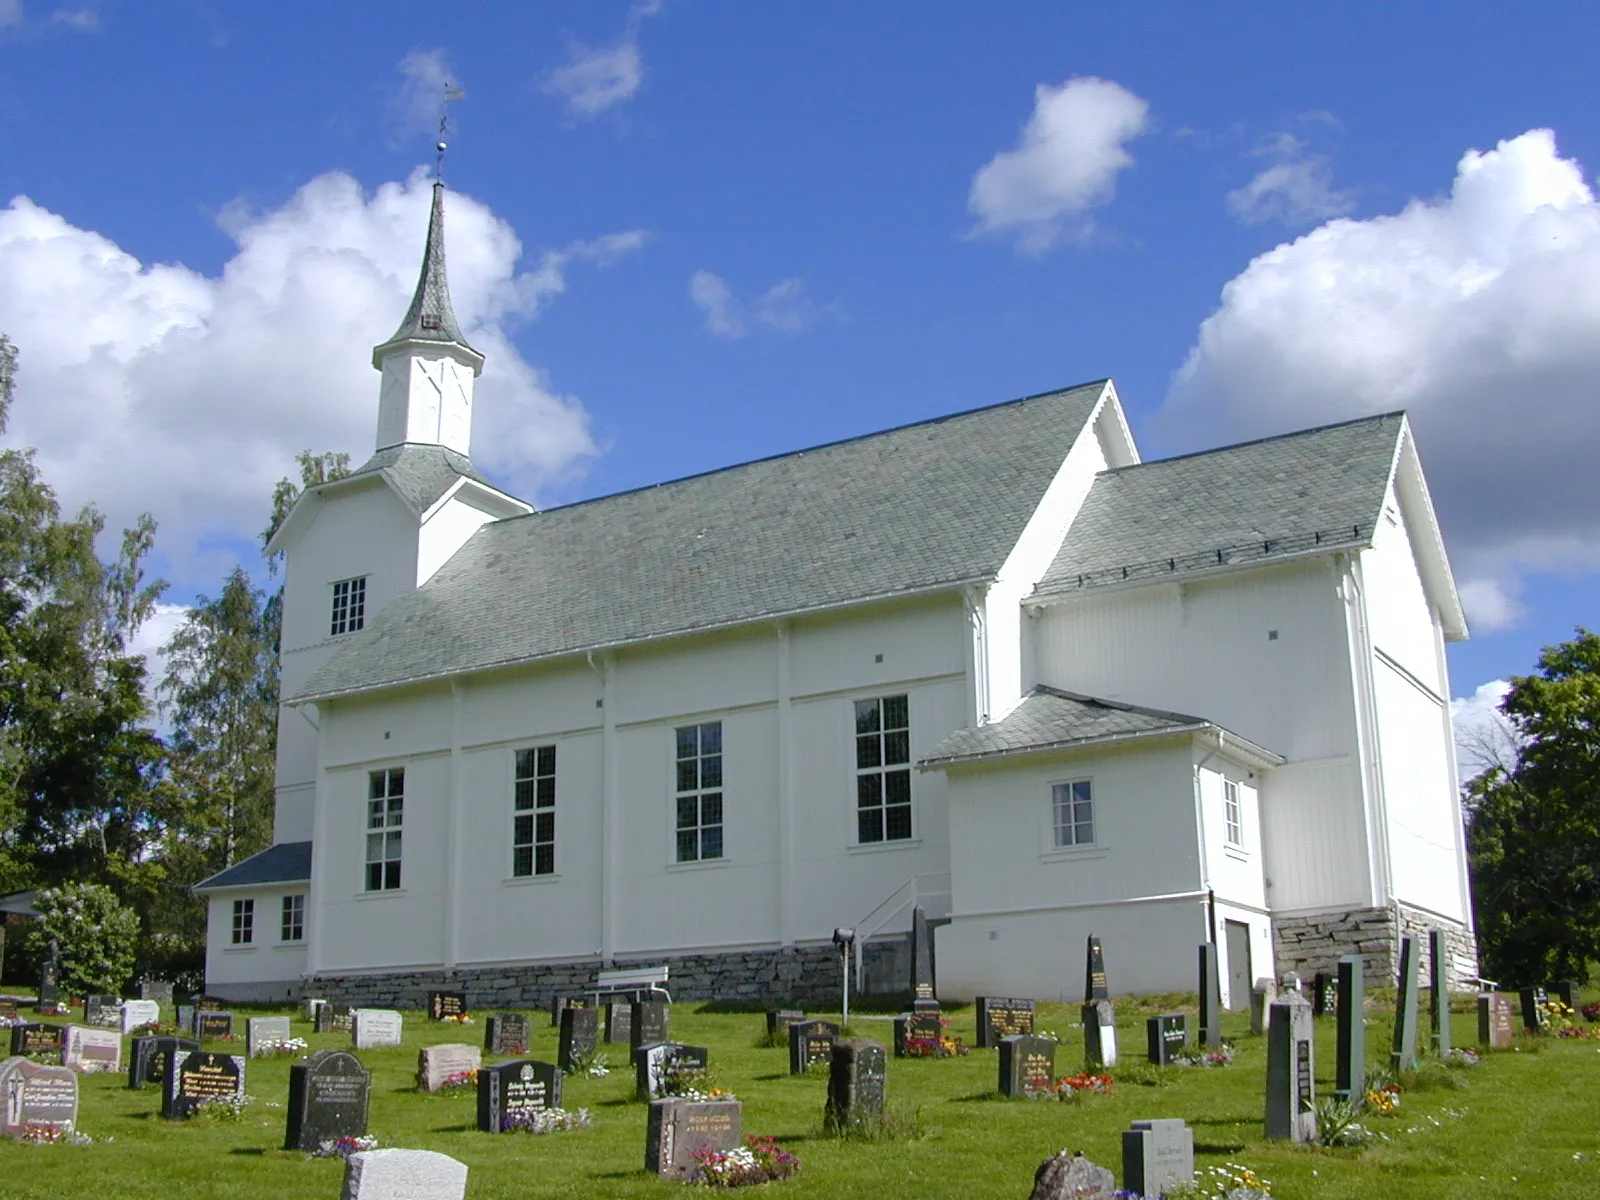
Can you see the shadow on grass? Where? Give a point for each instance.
(770, 1078)
(249, 1151)
(470, 1127)
(976, 1098)
(1218, 1147)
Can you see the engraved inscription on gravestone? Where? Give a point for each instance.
(213, 1025)
(1535, 1016)
(159, 990)
(1157, 1157)
(677, 1130)
(137, 1014)
(647, 1023)
(1497, 1020)
(438, 1066)
(652, 1065)
(1027, 1065)
(197, 1076)
(103, 1012)
(148, 1058)
(779, 1020)
(914, 1030)
(329, 1096)
(509, 1092)
(580, 1030)
(1291, 1113)
(264, 1034)
(36, 1094)
(1000, 1017)
(506, 1033)
(811, 1045)
(446, 1004)
(371, 1028)
(1095, 985)
(1166, 1037)
(35, 1040)
(619, 1021)
(91, 1050)
(857, 1082)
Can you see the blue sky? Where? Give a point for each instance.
(692, 233)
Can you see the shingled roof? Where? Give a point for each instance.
(1051, 719)
(924, 506)
(1300, 492)
(287, 862)
(431, 317)
(420, 472)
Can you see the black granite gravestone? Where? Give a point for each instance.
(913, 1030)
(654, 1065)
(1000, 1017)
(560, 1004)
(49, 970)
(1324, 994)
(923, 995)
(442, 1005)
(213, 1026)
(857, 1083)
(329, 1094)
(779, 1020)
(508, 1092)
(37, 1039)
(1403, 1053)
(677, 1130)
(1210, 998)
(195, 1076)
(579, 1033)
(647, 1023)
(1095, 984)
(811, 1045)
(1570, 993)
(1439, 990)
(619, 1021)
(1350, 1072)
(1535, 1018)
(1027, 1065)
(1166, 1037)
(1099, 1034)
(148, 1058)
(506, 1033)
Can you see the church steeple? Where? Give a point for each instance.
(428, 367)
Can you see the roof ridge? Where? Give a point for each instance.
(1121, 705)
(1260, 441)
(845, 441)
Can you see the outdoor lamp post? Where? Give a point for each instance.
(845, 938)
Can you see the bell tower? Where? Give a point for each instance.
(428, 368)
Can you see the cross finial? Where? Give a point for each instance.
(451, 93)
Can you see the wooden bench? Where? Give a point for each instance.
(632, 982)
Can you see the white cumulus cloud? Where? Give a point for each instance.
(153, 386)
(1485, 737)
(417, 104)
(1296, 188)
(786, 306)
(597, 78)
(1479, 313)
(1067, 162)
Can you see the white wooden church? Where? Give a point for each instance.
(992, 664)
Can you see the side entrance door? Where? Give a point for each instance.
(1236, 935)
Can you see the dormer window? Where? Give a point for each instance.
(349, 606)
(432, 322)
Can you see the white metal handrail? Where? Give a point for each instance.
(912, 892)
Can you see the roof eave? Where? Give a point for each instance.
(1226, 741)
(1407, 477)
(458, 350)
(204, 886)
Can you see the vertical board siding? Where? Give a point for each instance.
(1315, 836)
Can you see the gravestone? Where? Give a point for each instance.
(213, 1025)
(196, 1076)
(1497, 1020)
(857, 1083)
(442, 1005)
(647, 1023)
(1350, 1069)
(811, 1045)
(309, 1006)
(560, 1004)
(1291, 1099)
(186, 1019)
(35, 1039)
(579, 1033)
(329, 1095)
(437, 1065)
(1439, 991)
(262, 1034)
(1027, 1065)
(49, 970)
(1263, 994)
(371, 1028)
(653, 1064)
(1166, 1037)
(1000, 1017)
(1291, 981)
(91, 1050)
(103, 1012)
(159, 990)
(36, 1094)
(1070, 1176)
(1534, 1017)
(403, 1175)
(1570, 993)
(923, 1026)
(8, 1009)
(508, 1092)
(1210, 998)
(677, 1130)
(148, 1058)
(506, 1033)
(779, 1020)
(1157, 1157)
(922, 981)
(619, 1021)
(334, 1017)
(1324, 994)
(1095, 984)
(136, 1014)
(1403, 1054)
(1099, 1034)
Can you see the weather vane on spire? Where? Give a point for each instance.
(451, 94)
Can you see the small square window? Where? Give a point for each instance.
(1072, 806)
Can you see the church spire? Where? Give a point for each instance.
(430, 317)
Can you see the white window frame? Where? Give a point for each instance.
(349, 611)
(533, 811)
(1232, 813)
(1071, 785)
(244, 922)
(385, 813)
(292, 923)
(868, 744)
(699, 794)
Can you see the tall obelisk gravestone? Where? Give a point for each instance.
(1099, 1019)
(1439, 991)
(1350, 1080)
(1210, 997)
(1403, 1056)
(923, 998)
(1291, 1071)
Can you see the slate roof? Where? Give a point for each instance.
(430, 317)
(1051, 719)
(420, 472)
(939, 503)
(1258, 500)
(287, 862)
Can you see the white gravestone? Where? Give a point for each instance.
(136, 1014)
(404, 1175)
(264, 1034)
(371, 1028)
(88, 1050)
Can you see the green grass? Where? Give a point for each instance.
(1513, 1129)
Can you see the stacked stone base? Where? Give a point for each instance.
(1311, 943)
(795, 976)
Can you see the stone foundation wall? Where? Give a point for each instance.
(1308, 944)
(799, 976)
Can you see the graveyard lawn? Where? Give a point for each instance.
(1526, 1123)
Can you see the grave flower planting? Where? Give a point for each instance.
(1086, 1083)
(546, 1120)
(345, 1146)
(280, 1047)
(759, 1160)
